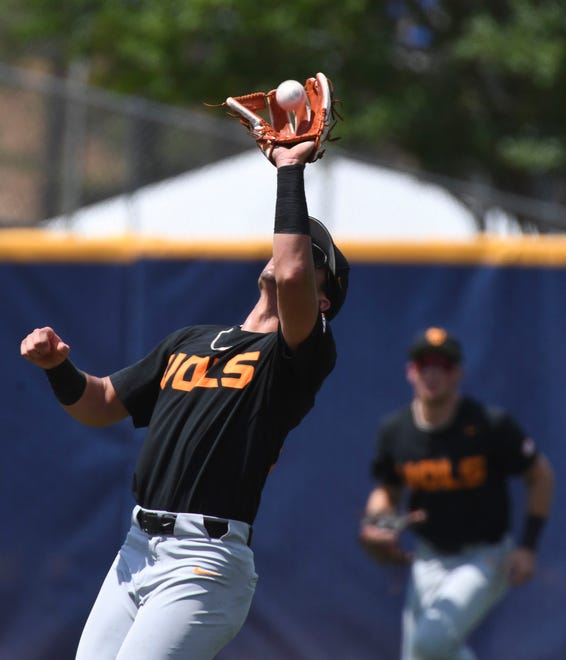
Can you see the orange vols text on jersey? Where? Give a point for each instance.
(442, 474)
(185, 373)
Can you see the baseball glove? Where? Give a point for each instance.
(314, 120)
(380, 535)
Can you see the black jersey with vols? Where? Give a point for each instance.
(455, 473)
(219, 402)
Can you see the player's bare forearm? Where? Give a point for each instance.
(384, 499)
(297, 298)
(99, 405)
(539, 481)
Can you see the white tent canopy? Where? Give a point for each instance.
(234, 200)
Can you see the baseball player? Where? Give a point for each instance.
(218, 403)
(453, 456)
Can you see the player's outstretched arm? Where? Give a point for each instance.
(88, 399)
(297, 296)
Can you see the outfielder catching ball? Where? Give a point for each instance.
(218, 403)
(454, 456)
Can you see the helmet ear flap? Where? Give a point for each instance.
(336, 288)
(337, 267)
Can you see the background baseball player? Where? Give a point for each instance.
(218, 403)
(454, 456)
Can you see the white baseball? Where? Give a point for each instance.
(290, 94)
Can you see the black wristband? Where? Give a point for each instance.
(532, 530)
(67, 382)
(291, 213)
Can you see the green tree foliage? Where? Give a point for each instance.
(474, 90)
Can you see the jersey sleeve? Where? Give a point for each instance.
(301, 372)
(138, 385)
(515, 449)
(314, 358)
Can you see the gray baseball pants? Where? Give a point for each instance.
(448, 596)
(183, 594)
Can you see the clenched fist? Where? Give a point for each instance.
(44, 348)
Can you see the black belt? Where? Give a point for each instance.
(457, 548)
(163, 524)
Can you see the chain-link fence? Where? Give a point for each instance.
(64, 145)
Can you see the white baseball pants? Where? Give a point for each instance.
(183, 595)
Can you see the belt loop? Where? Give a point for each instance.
(216, 528)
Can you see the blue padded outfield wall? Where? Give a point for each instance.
(65, 489)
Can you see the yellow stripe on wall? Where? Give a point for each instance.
(545, 250)
(30, 245)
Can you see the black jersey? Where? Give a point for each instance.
(218, 403)
(457, 474)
